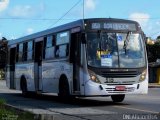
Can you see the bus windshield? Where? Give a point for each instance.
(115, 50)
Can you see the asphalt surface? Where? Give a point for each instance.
(134, 107)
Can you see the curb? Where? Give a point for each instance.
(8, 106)
(36, 116)
(154, 86)
(18, 110)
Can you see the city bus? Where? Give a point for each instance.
(84, 58)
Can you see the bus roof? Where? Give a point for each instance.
(46, 32)
(66, 27)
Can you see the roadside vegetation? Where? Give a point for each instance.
(7, 113)
(2, 74)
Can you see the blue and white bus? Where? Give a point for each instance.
(89, 57)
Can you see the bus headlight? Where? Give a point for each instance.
(143, 75)
(93, 77)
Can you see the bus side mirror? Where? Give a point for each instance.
(83, 38)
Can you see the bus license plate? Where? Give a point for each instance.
(120, 88)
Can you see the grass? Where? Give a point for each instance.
(2, 101)
(7, 113)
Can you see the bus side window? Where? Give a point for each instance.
(44, 48)
(24, 51)
(57, 51)
(19, 52)
(63, 50)
(49, 47)
(30, 50)
(62, 44)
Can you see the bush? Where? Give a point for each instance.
(11, 114)
(2, 101)
(2, 74)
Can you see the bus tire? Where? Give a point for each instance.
(117, 98)
(64, 92)
(24, 86)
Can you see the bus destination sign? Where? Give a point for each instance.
(114, 26)
(120, 26)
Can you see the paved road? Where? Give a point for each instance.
(102, 108)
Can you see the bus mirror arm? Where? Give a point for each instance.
(83, 38)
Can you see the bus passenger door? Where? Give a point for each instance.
(38, 65)
(12, 60)
(75, 59)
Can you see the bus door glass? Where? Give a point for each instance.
(12, 59)
(38, 63)
(75, 59)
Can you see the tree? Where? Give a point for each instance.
(3, 52)
(158, 37)
(153, 50)
(151, 53)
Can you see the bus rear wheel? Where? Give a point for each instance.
(117, 98)
(24, 87)
(64, 92)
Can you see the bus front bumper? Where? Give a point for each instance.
(96, 89)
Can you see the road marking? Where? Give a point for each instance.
(148, 111)
(152, 98)
(145, 97)
(81, 111)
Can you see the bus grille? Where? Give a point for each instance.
(119, 74)
(113, 90)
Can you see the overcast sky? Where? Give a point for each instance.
(22, 17)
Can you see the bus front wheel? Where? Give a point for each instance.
(117, 98)
(64, 92)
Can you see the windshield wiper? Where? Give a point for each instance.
(126, 41)
(99, 35)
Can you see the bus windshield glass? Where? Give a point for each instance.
(115, 50)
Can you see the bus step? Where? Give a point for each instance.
(76, 92)
(38, 92)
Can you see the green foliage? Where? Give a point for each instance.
(2, 101)
(3, 111)
(26, 116)
(10, 113)
(2, 74)
(158, 38)
(157, 42)
(5, 114)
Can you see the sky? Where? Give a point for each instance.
(19, 18)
